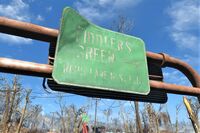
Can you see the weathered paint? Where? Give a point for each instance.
(94, 57)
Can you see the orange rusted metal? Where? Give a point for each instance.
(44, 70)
(41, 33)
(167, 61)
(28, 30)
(25, 68)
(32, 31)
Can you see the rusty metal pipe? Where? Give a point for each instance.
(29, 30)
(43, 70)
(165, 60)
(175, 89)
(25, 68)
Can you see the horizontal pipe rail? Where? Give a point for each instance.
(41, 33)
(24, 29)
(28, 30)
(25, 68)
(167, 61)
(175, 89)
(43, 70)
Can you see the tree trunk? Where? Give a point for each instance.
(75, 122)
(12, 101)
(63, 124)
(157, 124)
(69, 122)
(23, 112)
(123, 118)
(6, 112)
(138, 120)
(144, 118)
(176, 121)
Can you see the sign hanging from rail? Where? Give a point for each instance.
(93, 57)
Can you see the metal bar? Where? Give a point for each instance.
(166, 61)
(25, 68)
(43, 70)
(32, 31)
(29, 30)
(33, 69)
(175, 89)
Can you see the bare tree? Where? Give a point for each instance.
(138, 121)
(123, 117)
(137, 115)
(28, 92)
(107, 112)
(15, 88)
(74, 113)
(195, 107)
(52, 121)
(5, 116)
(6, 111)
(13, 118)
(34, 114)
(122, 25)
(145, 121)
(61, 113)
(153, 118)
(178, 107)
(10, 101)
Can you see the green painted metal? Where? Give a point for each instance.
(85, 118)
(93, 57)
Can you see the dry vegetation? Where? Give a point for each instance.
(19, 115)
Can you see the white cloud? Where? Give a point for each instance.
(48, 9)
(175, 77)
(184, 30)
(185, 14)
(19, 10)
(185, 40)
(97, 10)
(9, 39)
(39, 18)
(105, 2)
(125, 3)
(193, 61)
(90, 13)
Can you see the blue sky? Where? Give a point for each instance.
(168, 26)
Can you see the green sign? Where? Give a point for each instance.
(93, 57)
(85, 118)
